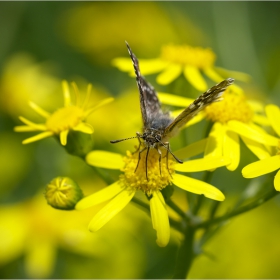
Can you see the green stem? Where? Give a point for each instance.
(185, 255)
(178, 210)
(239, 211)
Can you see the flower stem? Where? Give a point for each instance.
(185, 255)
(240, 210)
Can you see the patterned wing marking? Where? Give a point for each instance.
(149, 102)
(211, 95)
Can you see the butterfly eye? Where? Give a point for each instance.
(158, 137)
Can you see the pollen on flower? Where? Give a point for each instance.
(231, 107)
(184, 54)
(65, 118)
(137, 179)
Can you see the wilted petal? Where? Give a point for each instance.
(171, 72)
(261, 167)
(273, 114)
(195, 78)
(110, 210)
(100, 196)
(197, 186)
(160, 218)
(105, 159)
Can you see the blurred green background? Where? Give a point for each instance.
(45, 42)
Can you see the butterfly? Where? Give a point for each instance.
(159, 126)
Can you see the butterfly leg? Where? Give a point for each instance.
(159, 160)
(138, 136)
(167, 152)
(148, 149)
(139, 158)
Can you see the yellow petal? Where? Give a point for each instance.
(250, 132)
(66, 93)
(169, 74)
(110, 210)
(84, 127)
(192, 149)
(231, 149)
(234, 74)
(63, 137)
(39, 110)
(40, 258)
(256, 106)
(256, 148)
(37, 137)
(215, 141)
(277, 181)
(174, 100)
(273, 114)
(160, 218)
(259, 119)
(99, 105)
(105, 159)
(197, 186)
(100, 196)
(32, 124)
(261, 167)
(151, 66)
(122, 63)
(202, 164)
(24, 128)
(195, 78)
(213, 75)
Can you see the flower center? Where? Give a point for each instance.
(232, 107)
(137, 179)
(195, 56)
(64, 119)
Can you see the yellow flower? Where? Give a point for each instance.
(234, 117)
(272, 163)
(134, 178)
(34, 233)
(177, 59)
(70, 117)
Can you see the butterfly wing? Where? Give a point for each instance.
(149, 102)
(211, 95)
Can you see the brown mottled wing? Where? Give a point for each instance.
(149, 102)
(211, 95)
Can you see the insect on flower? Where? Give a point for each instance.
(159, 126)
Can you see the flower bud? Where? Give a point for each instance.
(63, 193)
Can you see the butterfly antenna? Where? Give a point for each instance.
(124, 139)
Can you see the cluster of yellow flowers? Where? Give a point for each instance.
(234, 118)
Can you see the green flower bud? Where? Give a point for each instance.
(63, 193)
